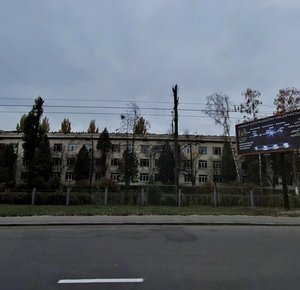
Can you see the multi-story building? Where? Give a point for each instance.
(201, 156)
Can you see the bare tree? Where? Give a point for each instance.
(250, 105)
(217, 108)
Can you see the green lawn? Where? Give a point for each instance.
(88, 210)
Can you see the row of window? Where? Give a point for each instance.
(202, 150)
(202, 164)
(203, 178)
(144, 177)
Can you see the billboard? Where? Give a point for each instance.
(271, 134)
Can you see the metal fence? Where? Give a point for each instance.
(155, 195)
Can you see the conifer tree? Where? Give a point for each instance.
(104, 145)
(83, 164)
(166, 164)
(42, 163)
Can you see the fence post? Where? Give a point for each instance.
(142, 196)
(251, 198)
(33, 196)
(215, 196)
(68, 196)
(105, 195)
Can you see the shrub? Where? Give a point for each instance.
(111, 185)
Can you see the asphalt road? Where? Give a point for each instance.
(164, 257)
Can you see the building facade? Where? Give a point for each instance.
(200, 156)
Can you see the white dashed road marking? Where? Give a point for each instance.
(89, 281)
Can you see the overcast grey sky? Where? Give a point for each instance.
(72, 52)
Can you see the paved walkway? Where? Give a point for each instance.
(149, 220)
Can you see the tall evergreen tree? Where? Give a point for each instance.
(83, 164)
(104, 145)
(32, 134)
(128, 166)
(228, 171)
(42, 163)
(166, 164)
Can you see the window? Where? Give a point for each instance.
(217, 167)
(217, 164)
(70, 176)
(114, 176)
(88, 147)
(145, 149)
(71, 161)
(202, 164)
(217, 179)
(156, 162)
(56, 161)
(114, 162)
(144, 162)
(157, 148)
(144, 177)
(216, 150)
(187, 149)
(15, 145)
(202, 178)
(188, 178)
(71, 147)
(130, 148)
(24, 175)
(187, 163)
(156, 177)
(57, 147)
(115, 148)
(203, 150)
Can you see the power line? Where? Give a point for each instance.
(119, 107)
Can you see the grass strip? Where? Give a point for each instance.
(121, 210)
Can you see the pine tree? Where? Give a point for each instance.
(166, 165)
(228, 171)
(83, 164)
(104, 145)
(32, 134)
(128, 167)
(42, 163)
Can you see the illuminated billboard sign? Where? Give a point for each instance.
(271, 134)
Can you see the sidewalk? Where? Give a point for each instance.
(148, 220)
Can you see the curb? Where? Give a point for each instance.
(64, 224)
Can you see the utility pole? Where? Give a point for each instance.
(176, 146)
(284, 183)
